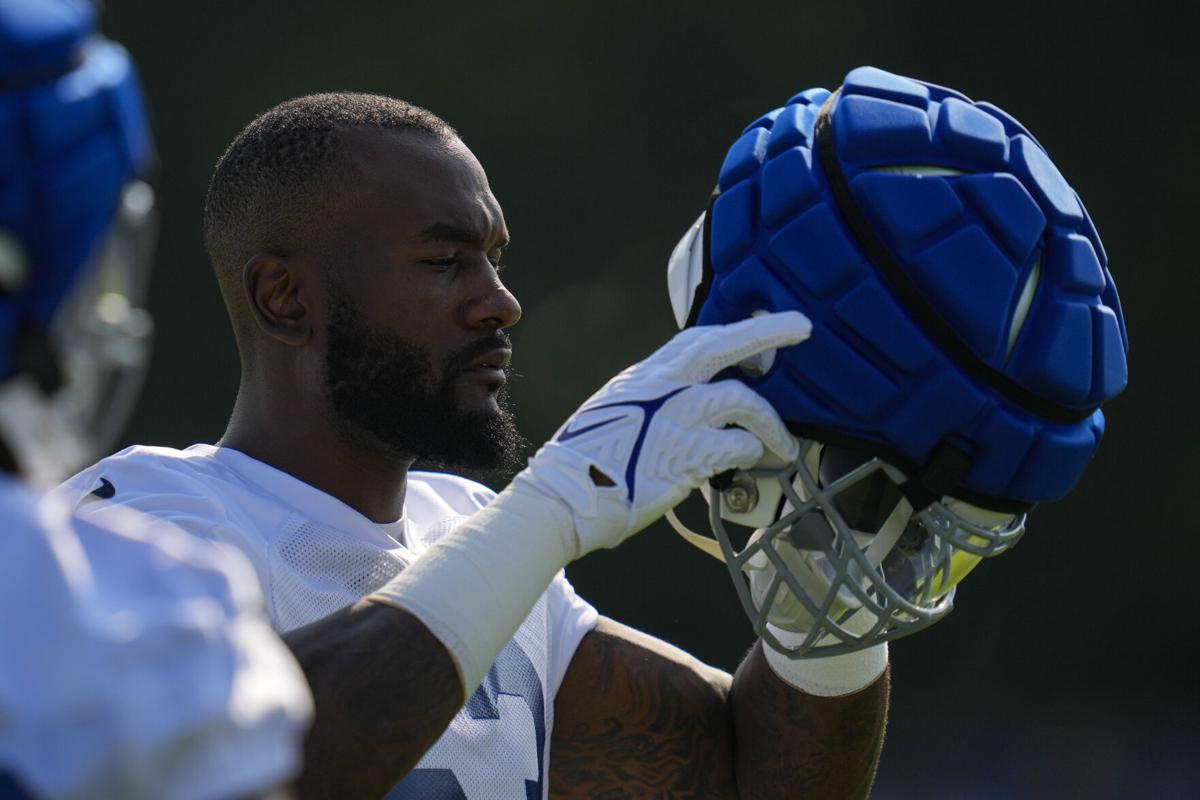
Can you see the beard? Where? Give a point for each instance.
(386, 396)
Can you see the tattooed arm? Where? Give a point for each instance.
(636, 717)
(792, 744)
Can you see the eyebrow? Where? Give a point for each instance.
(449, 232)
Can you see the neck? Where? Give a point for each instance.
(279, 429)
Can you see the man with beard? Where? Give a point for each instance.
(357, 245)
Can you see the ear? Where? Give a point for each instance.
(278, 302)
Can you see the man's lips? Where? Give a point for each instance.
(491, 366)
(493, 359)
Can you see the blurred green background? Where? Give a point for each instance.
(1065, 668)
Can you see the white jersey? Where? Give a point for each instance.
(315, 555)
(136, 663)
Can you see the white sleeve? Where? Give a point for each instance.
(569, 618)
(138, 663)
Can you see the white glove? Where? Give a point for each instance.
(658, 430)
(633, 451)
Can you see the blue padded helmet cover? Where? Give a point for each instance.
(960, 297)
(73, 133)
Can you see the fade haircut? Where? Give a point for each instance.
(286, 169)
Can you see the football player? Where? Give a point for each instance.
(357, 245)
(135, 663)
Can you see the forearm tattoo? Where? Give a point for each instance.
(637, 718)
(791, 744)
(645, 726)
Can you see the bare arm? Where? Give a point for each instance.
(384, 688)
(636, 717)
(792, 744)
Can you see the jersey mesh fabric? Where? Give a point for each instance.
(316, 555)
(319, 566)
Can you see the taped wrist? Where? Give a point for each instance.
(832, 676)
(474, 587)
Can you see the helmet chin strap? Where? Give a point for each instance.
(889, 533)
(706, 544)
(760, 482)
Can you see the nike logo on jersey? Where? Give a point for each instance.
(105, 490)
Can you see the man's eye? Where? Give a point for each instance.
(496, 260)
(444, 263)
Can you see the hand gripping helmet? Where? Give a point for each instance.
(966, 331)
(76, 231)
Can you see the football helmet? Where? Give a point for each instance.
(76, 235)
(966, 331)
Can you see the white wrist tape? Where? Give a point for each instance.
(474, 587)
(832, 676)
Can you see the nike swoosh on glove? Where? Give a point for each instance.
(659, 429)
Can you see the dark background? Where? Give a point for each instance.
(1066, 668)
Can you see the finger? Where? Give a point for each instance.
(731, 449)
(722, 346)
(734, 403)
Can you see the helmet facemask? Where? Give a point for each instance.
(833, 558)
(100, 336)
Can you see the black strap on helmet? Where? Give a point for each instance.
(706, 277)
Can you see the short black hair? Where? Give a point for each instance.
(286, 166)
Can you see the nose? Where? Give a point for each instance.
(495, 308)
